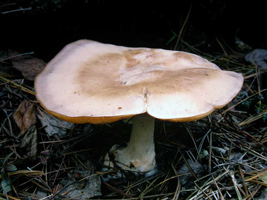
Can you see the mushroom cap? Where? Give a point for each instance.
(92, 82)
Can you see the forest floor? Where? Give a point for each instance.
(222, 156)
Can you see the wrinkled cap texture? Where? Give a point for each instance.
(92, 82)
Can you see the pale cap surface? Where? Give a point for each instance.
(92, 82)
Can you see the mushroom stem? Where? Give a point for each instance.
(139, 155)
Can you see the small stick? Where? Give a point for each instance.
(220, 192)
(180, 32)
(258, 78)
(16, 10)
(202, 191)
(210, 149)
(115, 189)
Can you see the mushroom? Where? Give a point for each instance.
(92, 82)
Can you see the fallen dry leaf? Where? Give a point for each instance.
(54, 125)
(30, 142)
(28, 65)
(25, 116)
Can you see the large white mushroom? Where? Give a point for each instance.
(91, 82)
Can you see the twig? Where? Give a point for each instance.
(220, 192)
(257, 175)
(221, 46)
(258, 78)
(17, 85)
(232, 174)
(210, 151)
(203, 191)
(9, 197)
(182, 29)
(147, 189)
(191, 135)
(119, 191)
(63, 159)
(178, 188)
(253, 118)
(189, 167)
(231, 107)
(16, 10)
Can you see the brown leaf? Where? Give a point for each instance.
(28, 65)
(25, 116)
(29, 141)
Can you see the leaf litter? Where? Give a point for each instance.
(27, 64)
(222, 156)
